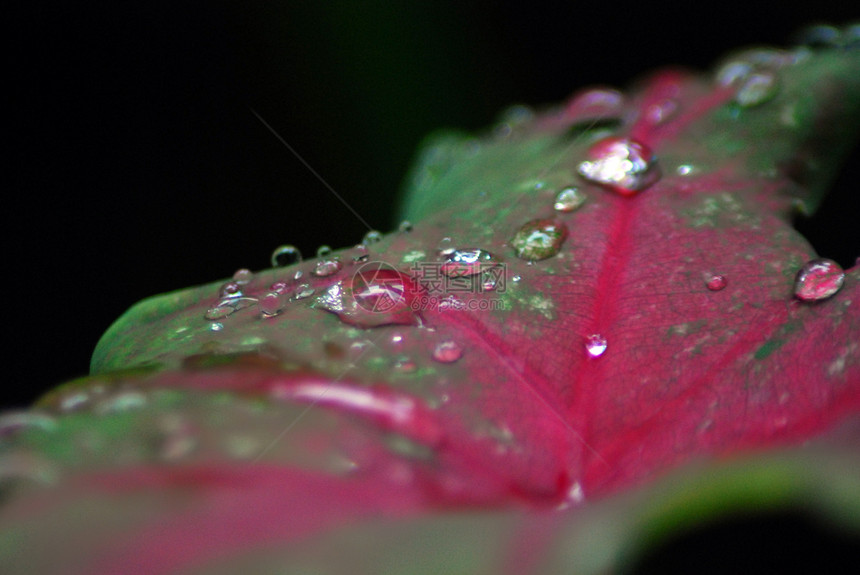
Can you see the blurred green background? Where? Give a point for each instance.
(139, 168)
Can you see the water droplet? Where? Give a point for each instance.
(122, 401)
(216, 326)
(243, 276)
(397, 338)
(447, 352)
(569, 199)
(594, 103)
(445, 247)
(371, 237)
(219, 311)
(539, 239)
(230, 290)
(327, 267)
(660, 112)
(279, 287)
(405, 364)
(684, 169)
(405, 226)
(715, 282)
(756, 89)
(377, 294)
(818, 279)
(627, 166)
(286, 255)
(303, 291)
(818, 36)
(467, 262)
(13, 422)
(323, 251)
(361, 254)
(271, 304)
(595, 345)
(516, 279)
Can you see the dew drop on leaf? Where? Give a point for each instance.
(279, 287)
(219, 311)
(447, 352)
(625, 165)
(327, 267)
(756, 89)
(323, 251)
(271, 304)
(715, 282)
(243, 276)
(539, 239)
(467, 262)
(595, 345)
(230, 290)
(286, 255)
(303, 291)
(818, 279)
(595, 102)
(569, 199)
(405, 226)
(216, 326)
(371, 237)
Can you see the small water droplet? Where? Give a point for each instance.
(271, 304)
(405, 226)
(219, 311)
(405, 364)
(243, 276)
(625, 165)
(660, 112)
(286, 255)
(569, 199)
(361, 254)
(397, 338)
(539, 239)
(323, 251)
(447, 352)
(715, 282)
(122, 401)
(279, 287)
(467, 262)
(516, 279)
(230, 290)
(684, 169)
(303, 291)
(594, 103)
(445, 247)
(818, 280)
(327, 267)
(216, 326)
(371, 237)
(13, 422)
(489, 282)
(756, 89)
(595, 345)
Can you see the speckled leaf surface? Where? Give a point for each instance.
(604, 343)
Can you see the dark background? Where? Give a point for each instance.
(137, 166)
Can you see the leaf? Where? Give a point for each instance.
(253, 414)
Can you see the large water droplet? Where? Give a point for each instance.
(756, 89)
(595, 345)
(539, 239)
(467, 262)
(447, 352)
(327, 267)
(715, 282)
(818, 279)
(625, 165)
(569, 199)
(377, 294)
(286, 255)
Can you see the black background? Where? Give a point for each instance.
(136, 166)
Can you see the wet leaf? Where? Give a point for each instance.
(542, 380)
